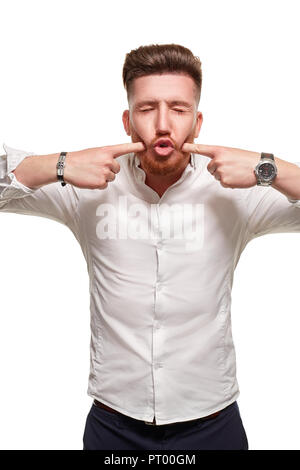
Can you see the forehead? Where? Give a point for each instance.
(167, 86)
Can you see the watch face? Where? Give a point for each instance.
(266, 170)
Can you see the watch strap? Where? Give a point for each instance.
(267, 155)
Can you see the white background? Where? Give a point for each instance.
(61, 89)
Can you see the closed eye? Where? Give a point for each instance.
(177, 110)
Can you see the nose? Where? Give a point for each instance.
(162, 121)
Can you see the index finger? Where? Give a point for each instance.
(207, 150)
(122, 149)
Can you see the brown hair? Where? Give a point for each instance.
(158, 59)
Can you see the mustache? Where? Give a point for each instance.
(151, 144)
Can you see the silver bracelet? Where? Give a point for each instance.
(60, 168)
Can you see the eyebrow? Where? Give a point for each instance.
(172, 103)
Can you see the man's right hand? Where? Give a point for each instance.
(94, 168)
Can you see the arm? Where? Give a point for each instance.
(52, 201)
(91, 168)
(268, 209)
(36, 171)
(25, 180)
(234, 168)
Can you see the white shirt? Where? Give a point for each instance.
(161, 340)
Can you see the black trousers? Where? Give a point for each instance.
(105, 430)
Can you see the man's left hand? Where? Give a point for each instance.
(234, 168)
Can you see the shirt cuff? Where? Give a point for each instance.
(15, 186)
(14, 189)
(295, 202)
(14, 157)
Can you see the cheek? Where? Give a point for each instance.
(141, 128)
(190, 131)
(185, 132)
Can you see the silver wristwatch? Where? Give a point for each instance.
(266, 170)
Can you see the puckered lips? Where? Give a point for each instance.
(163, 147)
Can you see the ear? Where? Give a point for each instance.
(125, 119)
(198, 124)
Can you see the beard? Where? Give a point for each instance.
(159, 165)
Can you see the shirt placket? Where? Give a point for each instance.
(159, 294)
(157, 331)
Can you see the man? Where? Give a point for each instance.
(162, 222)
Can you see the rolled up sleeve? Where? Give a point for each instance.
(270, 211)
(10, 187)
(52, 201)
(295, 202)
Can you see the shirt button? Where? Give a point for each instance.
(158, 365)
